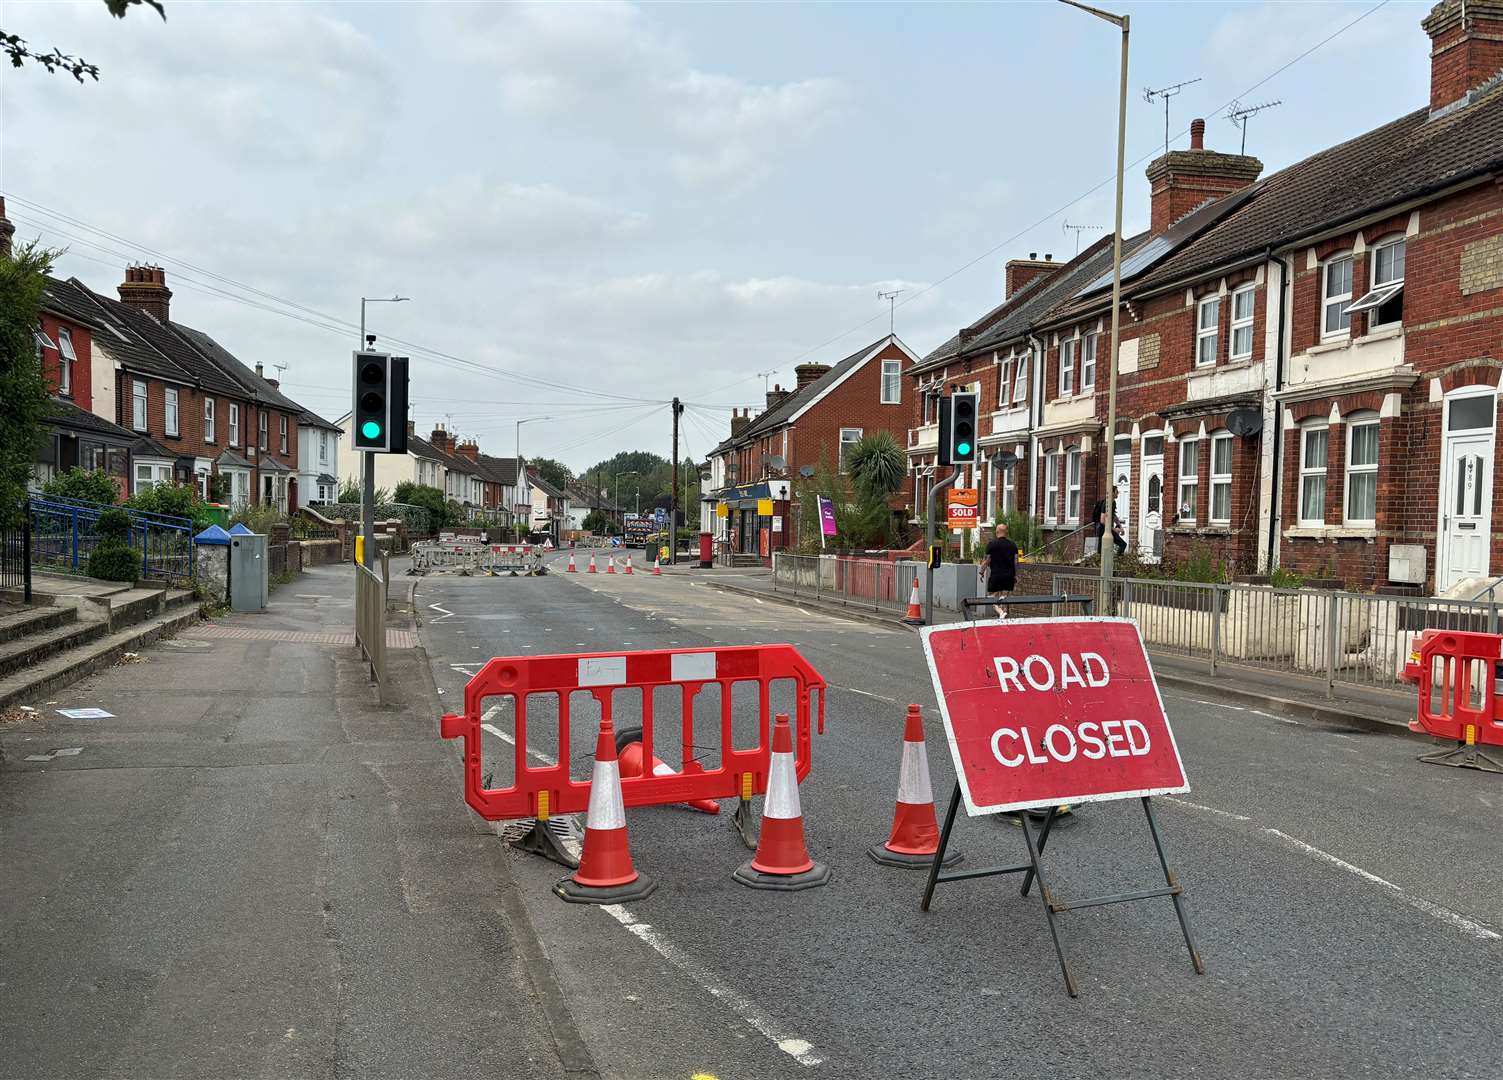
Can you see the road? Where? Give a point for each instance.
(1345, 896)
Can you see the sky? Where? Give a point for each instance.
(594, 207)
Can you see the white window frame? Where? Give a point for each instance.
(1342, 302)
(1207, 335)
(263, 430)
(66, 359)
(1020, 379)
(1188, 482)
(171, 421)
(138, 411)
(1221, 482)
(282, 431)
(1089, 349)
(1239, 323)
(1362, 420)
(1311, 471)
(209, 420)
(234, 435)
(1382, 289)
(1051, 487)
(1074, 467)
(892, 370)
(1004, 380)
(323, 447)
(844, 442)
(149, 474)
(1068, 347)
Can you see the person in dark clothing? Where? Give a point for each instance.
(1001, 566)
(1098, 515)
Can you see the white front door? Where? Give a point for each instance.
(1122, 497)
(1466, 509)
(1151, 501)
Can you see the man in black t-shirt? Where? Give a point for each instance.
(1001, 565)
(1098, 516)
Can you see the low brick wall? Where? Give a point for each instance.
(322, 552)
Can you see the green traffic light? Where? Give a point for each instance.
(370, 429)
(963, 449)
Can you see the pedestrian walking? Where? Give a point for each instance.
(1098, 516)
(1000, 566)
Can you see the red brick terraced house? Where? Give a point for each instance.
(808, 426)
(1310, 360)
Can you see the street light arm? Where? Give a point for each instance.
(1115, 20)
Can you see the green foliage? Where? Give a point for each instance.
(554, 472)
(349, 491)
(631, 478)
(429, 498)
(86, 485)
(18, 52)
(177, 500)
(114, 524)
(1025, 531)
(1284, 578)
(22, 390)
(258, 518)
(595, 522)
(115, 561)
(1201, 565)
(878, 466)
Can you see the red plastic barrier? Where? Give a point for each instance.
(1470, 668)
(546, 790)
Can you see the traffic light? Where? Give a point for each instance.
(957, 429)
(379, 417)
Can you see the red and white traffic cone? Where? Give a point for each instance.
(657, 567)
(782, 859)
(605, 874)
(915, 830)
(631, 765)
(592, 564)
(628, 564)
(915, 616)
(571, 569)
(610, 565)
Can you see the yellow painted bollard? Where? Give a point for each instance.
(360, 549)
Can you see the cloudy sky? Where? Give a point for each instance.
(597, 206)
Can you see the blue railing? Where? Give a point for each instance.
(65, 531)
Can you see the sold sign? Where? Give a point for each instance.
(1041, 712)
(962, 504)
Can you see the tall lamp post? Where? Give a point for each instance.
(368, 466)
(1108, 536)
(522, 469)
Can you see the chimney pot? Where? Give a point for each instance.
(1197, 134)
(1048, 257)
(1033, 254)
(260, 371)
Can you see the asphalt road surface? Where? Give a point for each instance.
(1346, 898)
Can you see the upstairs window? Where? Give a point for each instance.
(282, 431)
(169, 409)
(1020, 380)
(1336, 316)
(323, 447)
(1314, 441)
(234, 424)
(1207, 319)
(892, 382)
(1240, 344)
(1088, 362)
(1004, 381)
(1189, 478)
(1221, 478)
(1067, 349)
(262, 439)
(65, 365)
(1385, 301)
(849, 437)
(138, 404)
(208, 419)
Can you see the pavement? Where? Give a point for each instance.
(1344, 894)
(252, 869)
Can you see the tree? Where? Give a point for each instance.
(428, 497)
(554, 472)
(595, 522)
(84, 485)
(643, 477)
(878, 467)
(349, 491)
(19, 52)
(22, 389)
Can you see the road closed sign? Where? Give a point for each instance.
(1040, 712)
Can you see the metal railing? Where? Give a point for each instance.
(64, 533)
(874, 584)
(15, 555)
(370, 620)
(1355, 639)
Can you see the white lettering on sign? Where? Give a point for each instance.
(1110, 738)
(1039, 673)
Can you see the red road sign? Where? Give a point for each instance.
(1040, 712)
(962, 507)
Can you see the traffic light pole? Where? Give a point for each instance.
(367, 479)
(673, 498)
(934, 493)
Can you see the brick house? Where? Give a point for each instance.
(1310, 360)
(811, 425)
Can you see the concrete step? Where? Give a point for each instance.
(26, 686)
(133, 606)
(34, 620)
(28, 651)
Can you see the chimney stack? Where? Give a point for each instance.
(808, 373)
(775, 396)
(469, 450)
(738, 422)
(260, 371)
(1466, 48)
(412, 427)
(440, 439)
(1020, 272)
(7, 231)
(1181, 180)
(145, 287)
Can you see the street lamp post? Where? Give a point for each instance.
(1108, 535)
(368, 466)
(522, 469)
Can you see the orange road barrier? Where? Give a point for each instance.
(1460, 677)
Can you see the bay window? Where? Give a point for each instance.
(1362, 470)
(1314, 441)
(1189, 478)
(1072, 486)
(1051, 487)
(1221, 478)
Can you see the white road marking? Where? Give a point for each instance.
(1419, 903)
(758, 599)
(506, 737)
(446, 612)
(799, 1049)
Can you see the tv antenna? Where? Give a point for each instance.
(892, 305)
(280, 369)
(1078, 229)
(766, 375)
(1239, 114)
(1164, 93)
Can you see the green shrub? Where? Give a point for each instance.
(1201, 566)
(173, 500)
(258, 518)
(85, 485)
(115, 561)
(114, 525)
(1284, 578)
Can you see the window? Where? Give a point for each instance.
(1362, 470)
(1004, 381)
(849, 437)
(1242, 315)
(1221, 478)
(323, 447)
(1067, 349)
(1312, 474)
(892, 382)
(1337, 317)
(169, 409)
(1088, 362)
(282, 431)
(1020, 380)
(1207, 319)
(262, 439)
(208, 419)
(1072, 485)
(149, 474)
(1189, 477)
(1386, 299)
(1472, 411)
(931, 407)
(234, 424)
(65, 363)
(138, 404)
(1051, 486)
(1004, 495)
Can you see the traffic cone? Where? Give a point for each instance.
(782, 859)
(631, 765)
(592, 564)
(610, 565)
(915, 830)
(628, 564)
(605, 874)
(571, 569)
(657, 567)
(915, 616)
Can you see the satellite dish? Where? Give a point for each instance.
(806, 471)
(1244, 422)
(1003, 458)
